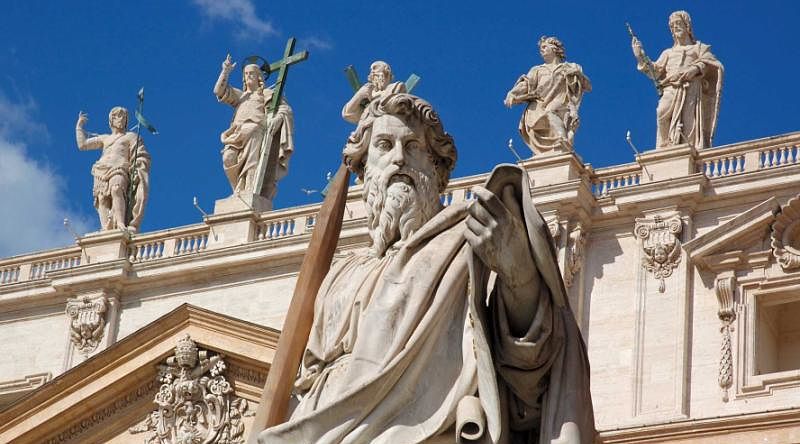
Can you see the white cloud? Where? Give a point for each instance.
(241, 13)
(313, 42)
(32, 196)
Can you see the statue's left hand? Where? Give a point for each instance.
(496, 233)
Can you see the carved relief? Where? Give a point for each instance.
(785, 236)
(87, 322)
(195, 402)
(574, 260)
(725, 288)
(555, 229)
(661, 245)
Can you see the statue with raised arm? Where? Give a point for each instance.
(690, 81)
(411, 341)
(243, 140)
(379, 83)
(121, 175)
(553, 93)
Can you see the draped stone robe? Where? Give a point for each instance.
(398, 341)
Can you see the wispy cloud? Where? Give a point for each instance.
(240, 13)
(315, 42)
(32, 194)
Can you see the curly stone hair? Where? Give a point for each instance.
(556, 43)
(406, 107)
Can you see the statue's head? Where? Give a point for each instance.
(680, 25)
(660, 253)
(252, 78)
(405, 157)
(551, 47)
(118, 118)
(380, 74)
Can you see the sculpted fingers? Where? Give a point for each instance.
(490, 201)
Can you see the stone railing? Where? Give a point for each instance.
(606, 180)
(753, 155)
(36, 266)
(170, 243)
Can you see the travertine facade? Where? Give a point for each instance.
(713, 355)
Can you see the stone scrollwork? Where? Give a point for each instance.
(555, 229)
(575, 256)
(87, 322)
(196, 403)
(725, 288)
(661, 245)
(785, 235)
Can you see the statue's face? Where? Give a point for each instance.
(379, 78)
(547, 51)
(660, 254)
(678, 29)
(118, 120)
(398, 144)
(252, 76)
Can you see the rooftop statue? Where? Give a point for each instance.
(553, 92)
(689, 79)
(379, 83)
(411, 340)
(121, 175)
(243, 140)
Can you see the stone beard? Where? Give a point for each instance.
(399, 201)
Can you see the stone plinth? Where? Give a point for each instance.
(102, 246)
(668, 163)
(242, 202)
(553, 169)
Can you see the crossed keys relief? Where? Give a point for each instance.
(661, 245)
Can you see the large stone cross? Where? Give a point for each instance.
(268, 160)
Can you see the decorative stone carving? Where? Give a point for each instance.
(379, 84)
(725, 288)
(785, 236)
(87, 322)
(121, 175)
(661, 245)
(574, 260)
(553, 93)
(689, 81)
(555, 229)
(196, 403)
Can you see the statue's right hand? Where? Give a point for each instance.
(636, 45)
(228, 64)
(82, 118)
(508, 101)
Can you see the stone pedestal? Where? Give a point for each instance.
(242, 202)
(554, 168)
(102, 246)
(668, 163)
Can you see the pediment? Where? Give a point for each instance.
(101, 399)
(726, 246)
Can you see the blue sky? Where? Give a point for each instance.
(91, 56)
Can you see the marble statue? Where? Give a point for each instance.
(121, 175)
(553, 92)
(412, 340)
(690, 81)
(243, 140)
(379, 83)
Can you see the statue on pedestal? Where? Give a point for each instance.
(689, 79)
(553, 92)
(121, 175)
(242, 141)
(379, 83)
(411, 340)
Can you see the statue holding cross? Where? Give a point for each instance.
(379, 84)
(259, 142)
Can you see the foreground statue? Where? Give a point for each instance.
(379, 83)
(690, 81)
(242, 141)
(411, 341)
(121, 175)
(553, 92)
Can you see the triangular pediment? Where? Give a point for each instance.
(727, 245)
(102, 398)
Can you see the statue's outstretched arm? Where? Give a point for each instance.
(85, 143)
